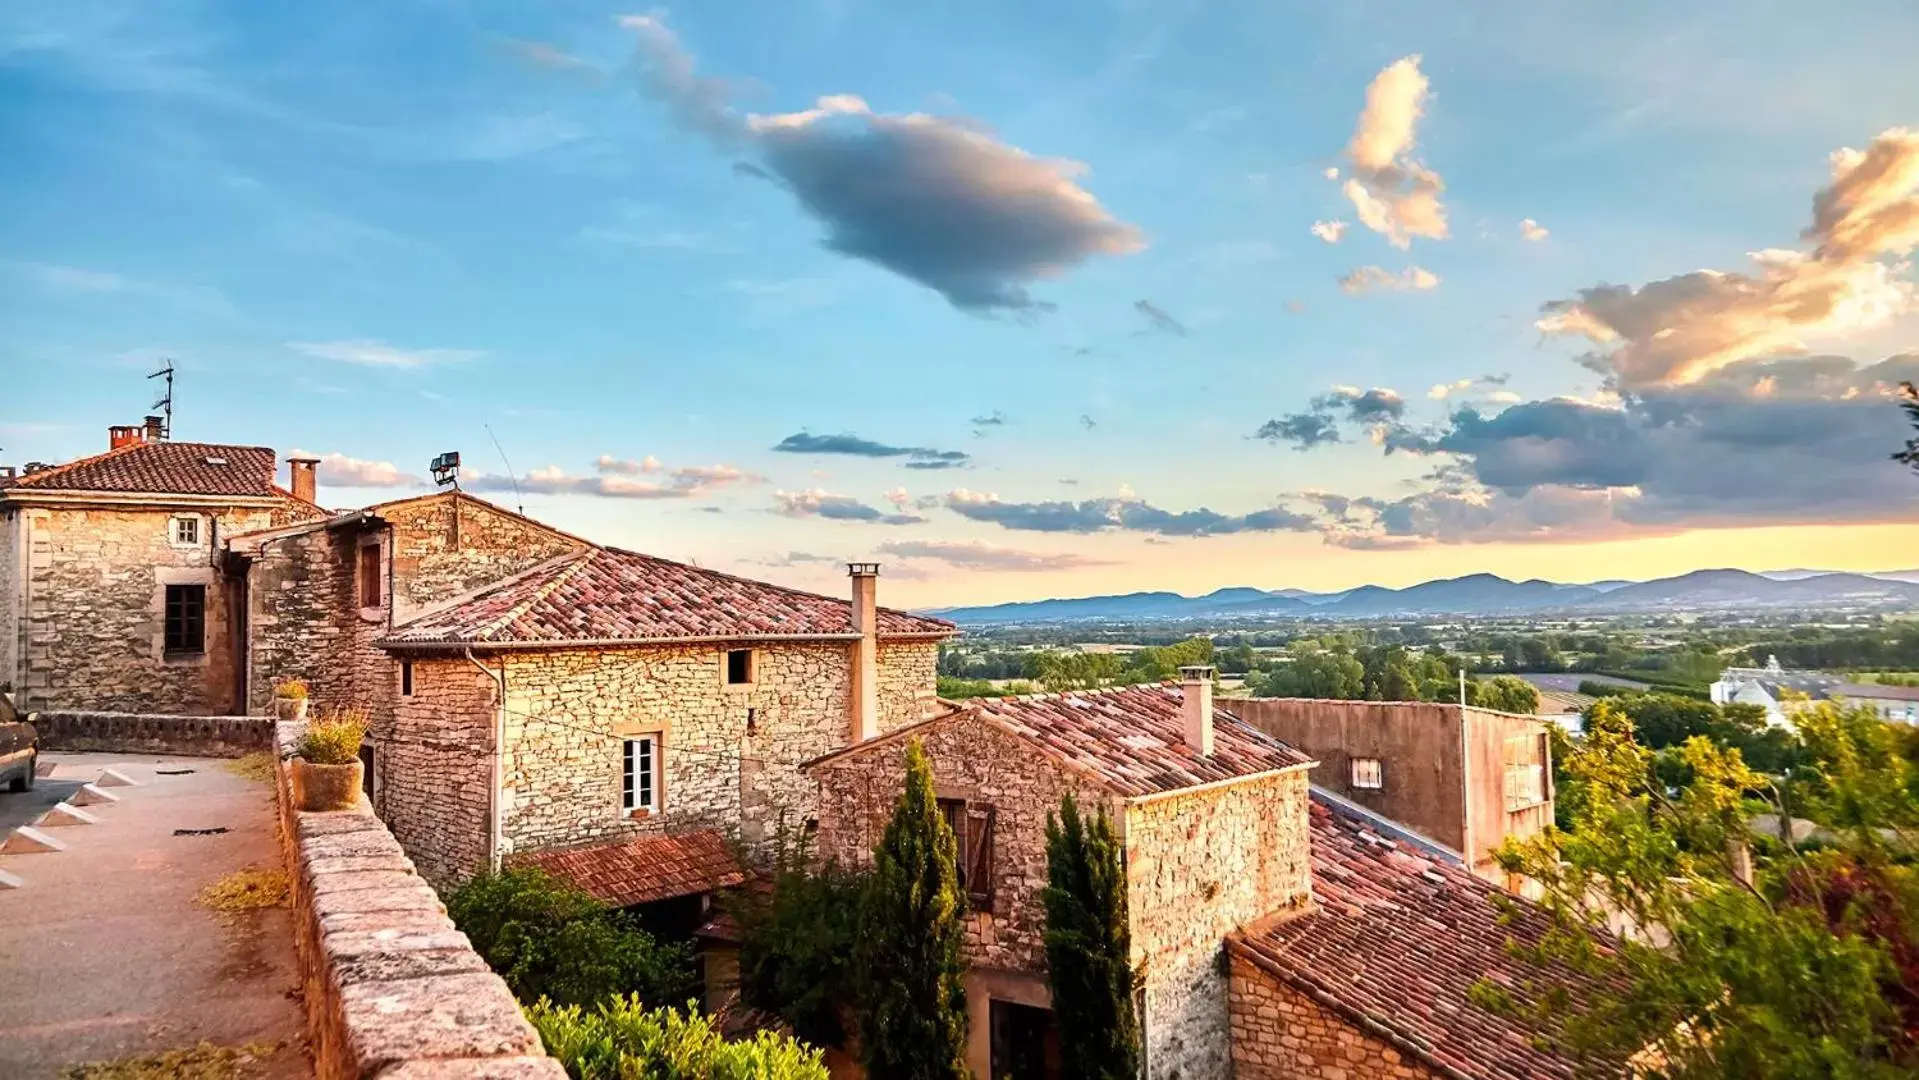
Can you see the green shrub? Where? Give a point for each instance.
(334, 739)
(796, 945)
(290, 688)
(549, 939)
(621, 1039)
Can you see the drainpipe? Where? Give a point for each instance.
(499, 740)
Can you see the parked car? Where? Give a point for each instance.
(19, 749)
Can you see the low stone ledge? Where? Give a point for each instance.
(393, 990)
(148, 733)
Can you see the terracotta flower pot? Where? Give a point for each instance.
(325, 787)
(292, 709)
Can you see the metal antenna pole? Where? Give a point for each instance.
(165, 403)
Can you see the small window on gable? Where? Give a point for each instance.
(639, 773)
(739, 667)
(1368, 774)
(406, 678)
(184, 531)
(370, 576)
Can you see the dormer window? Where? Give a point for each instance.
(184, 531)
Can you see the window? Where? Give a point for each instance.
(972, 825)
(370, 576)
(186, 619)
(739, 667)
(366, 769)
(1368, 774)
(639, 762)
(1525, 786)
(406, 678)
(184, 531)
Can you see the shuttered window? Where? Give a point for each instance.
(972, 824)
(370, 576)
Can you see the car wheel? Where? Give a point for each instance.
(24, 782)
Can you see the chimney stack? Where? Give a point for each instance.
(156, 429)
(866, 651)
(1196, 704)
(303, 477)
(124, 435)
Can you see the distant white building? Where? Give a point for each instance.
(1779, 690)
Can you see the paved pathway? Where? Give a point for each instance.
(105, 953)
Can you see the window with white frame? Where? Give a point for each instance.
(1525, 786)
(184, 531)
(1368, 774)
(639, 773)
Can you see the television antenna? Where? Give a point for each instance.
(519, 507)
(165, 402)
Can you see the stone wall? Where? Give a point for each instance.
(305, 622)
(96, 603)
(908, 681)
(130, 733)
(442, 546)
(1280, 1033)
(433, 768)
(391, 988)
(12, 626)
(976, 761)
(1201, 864)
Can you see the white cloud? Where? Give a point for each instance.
(618, 479)
(368, 352)
(1369, 278)
(975, 555)
(820, 503)
(339, 470)
(1533, 231)
(1329, 231)
(1392, 193)
(607, 463)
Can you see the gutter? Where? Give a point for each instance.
(493, 788)
(456, 645)
(20, 496)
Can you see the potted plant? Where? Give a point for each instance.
(290, 699)
(326, 762)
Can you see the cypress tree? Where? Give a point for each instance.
(1089, 947)
(912, 1016)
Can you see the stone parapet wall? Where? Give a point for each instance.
(145, 733)
(1280, 1033)
(392, 989)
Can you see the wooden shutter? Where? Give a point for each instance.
(979, 855)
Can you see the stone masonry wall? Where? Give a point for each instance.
(566, 709)
(908, 682)
(1201, 864)
(433, 768)
(445, 545)
(96, 606)
(976, 761)
(1280, 1033)
(391, 988)
(12, 566)
(305, 622)
(126, 733)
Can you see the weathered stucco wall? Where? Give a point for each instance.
(448, 544)
(1419, 744)
(1201, 864)
(433, 768)
(1494, 741)
(1280, 1033)
(96, 607)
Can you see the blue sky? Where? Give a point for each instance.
(376, 230)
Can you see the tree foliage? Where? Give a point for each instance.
(549, 939)
(796, 945)
(621, 1039)
(1089, 948)
(1504, 693)
(912, 1008)
(1801, 967)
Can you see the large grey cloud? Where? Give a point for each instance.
(832, 507)
(935, 200)
(918, 457)
(1379, 408)
(1119, 515)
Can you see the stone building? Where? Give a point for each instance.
(1467, 778)
(1212, 814)
(607, 698)
(114, 592)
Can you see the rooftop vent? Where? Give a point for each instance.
(216, 461)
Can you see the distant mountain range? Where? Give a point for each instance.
(1477, 594)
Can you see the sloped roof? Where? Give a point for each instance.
(644, 869)
(1131, 739)
(608, 596)
(164, 468)
(1395, 942)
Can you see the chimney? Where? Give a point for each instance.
(155, 430)
(124, 435)
(866, 651)
(303, 477)
(1196, 705)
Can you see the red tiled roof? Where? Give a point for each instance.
(164, 468)
(1396, 941)
(607, 595)
(1132, 739)
(644, 869)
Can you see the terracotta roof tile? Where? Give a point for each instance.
(644, 869)
(163, 468)
(608, 595)
(1397, 940)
